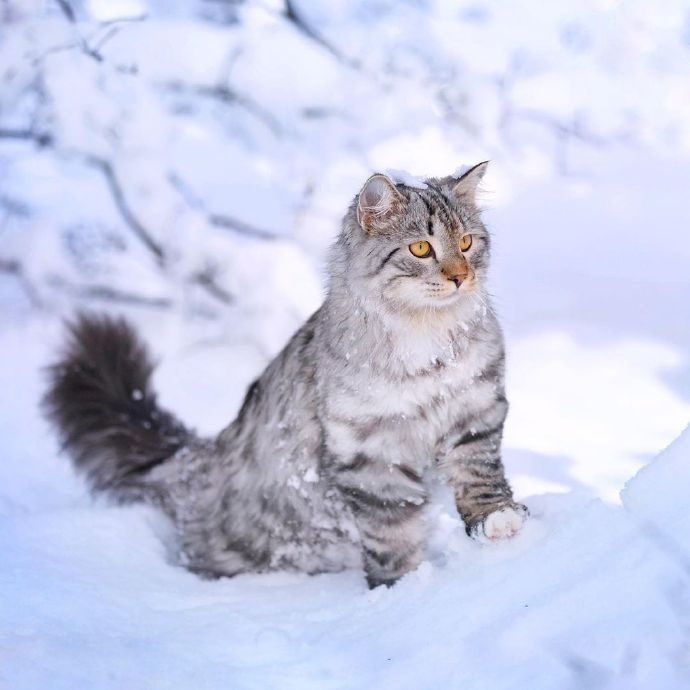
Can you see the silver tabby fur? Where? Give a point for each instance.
(396, 378)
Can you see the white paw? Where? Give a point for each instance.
(502, 524)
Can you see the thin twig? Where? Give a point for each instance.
(204, 279)
(109, 33)
(9, 266)
(41, 138)
(223, 221)
(106, 168)
(67, 10)
(219, 220)
(572, 129)
(225, 94)
(131, 18)
(14, 268)
(207, 281)
(293, 16)
(109, 294)
(123, 206)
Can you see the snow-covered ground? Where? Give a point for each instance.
(186, 163)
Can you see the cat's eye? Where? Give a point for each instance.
(465, 242)
(421, 249)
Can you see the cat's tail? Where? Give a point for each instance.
(100, 399)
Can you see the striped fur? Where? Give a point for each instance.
(398, 376)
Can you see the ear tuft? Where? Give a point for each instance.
(466, 187)
(378, 200)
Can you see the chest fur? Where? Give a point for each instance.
(384, 413)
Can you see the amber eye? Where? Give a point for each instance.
(465, 242)
(421, 249)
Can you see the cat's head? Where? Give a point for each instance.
(420, 246)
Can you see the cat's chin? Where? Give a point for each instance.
(451, 299)
(443, 303)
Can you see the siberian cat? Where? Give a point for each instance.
(397, 376)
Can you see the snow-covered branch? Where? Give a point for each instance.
(144, 236)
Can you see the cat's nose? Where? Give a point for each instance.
(455, 271)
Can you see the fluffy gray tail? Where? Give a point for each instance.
(100, 399)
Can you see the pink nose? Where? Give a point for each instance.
(457, 279)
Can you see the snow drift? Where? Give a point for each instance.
(591, 594)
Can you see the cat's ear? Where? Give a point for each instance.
(378, 202)
(466, 187)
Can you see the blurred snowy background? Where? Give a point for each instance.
(187, 162)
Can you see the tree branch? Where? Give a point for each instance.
(207, 281)
(12, 267)
(41, 139)
(301, 25)
(223, 221)
(109, 294)
(67, 10)
(225, 94)
(123, 206)
(204, 279)
(217, 219)
(106, 169)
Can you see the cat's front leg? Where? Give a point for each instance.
(471, 460)
(387, 501)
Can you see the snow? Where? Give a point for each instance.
(654, 495)
(582, 596)
(234, 113)
(406, 178)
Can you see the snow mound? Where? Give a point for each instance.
(658, 495)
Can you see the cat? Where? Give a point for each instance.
(397, 378)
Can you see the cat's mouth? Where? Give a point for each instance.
(452, 292)
(433, 294)
(450, 297)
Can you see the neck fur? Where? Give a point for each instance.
(408, 340)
